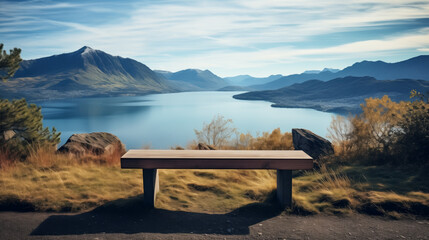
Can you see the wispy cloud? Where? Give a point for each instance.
(230, 37)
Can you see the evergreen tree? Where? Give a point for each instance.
(9, 63)
(21, 128)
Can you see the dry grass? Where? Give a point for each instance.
(57, 182)
(323, 191)
(6, 160)
(70, 187)
(213, 190)
(355, 189)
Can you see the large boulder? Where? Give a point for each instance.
(97, 143)
(311, 143)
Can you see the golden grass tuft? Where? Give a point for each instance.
(6, 160)
(325, 190)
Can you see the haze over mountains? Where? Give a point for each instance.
(89, 72)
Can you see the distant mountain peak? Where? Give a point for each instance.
(88, 50)
(85, 50)
(366, 62)
(332, 70)
(195, 79)
(311, 71)
(195, 70)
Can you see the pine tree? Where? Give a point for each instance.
(9, 63)
(21, 128)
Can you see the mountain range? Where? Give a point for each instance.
(90, 72)
(85, 72)
(341, 95)
(193, 80)
(247, 80)
(324, 70)
(414, 68)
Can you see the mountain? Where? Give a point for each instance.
(232, 88)
(194, 79)
(413, 68)
(334, 70)
(319, 71)
(247, 80)
(85, 72)
(341, 95)
(164, 74)
(312, 72)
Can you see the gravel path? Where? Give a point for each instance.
(244, 224)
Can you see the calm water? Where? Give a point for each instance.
(165, 120)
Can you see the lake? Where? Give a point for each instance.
(161, 121)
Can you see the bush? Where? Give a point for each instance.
(276, 140)
(413, 134)
(385, 132)
(373, 132)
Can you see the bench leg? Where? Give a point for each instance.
(284, 188)
(150, 187)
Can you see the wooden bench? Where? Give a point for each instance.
(152, 160)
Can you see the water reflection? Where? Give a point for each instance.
(165, 120)
(92, 108)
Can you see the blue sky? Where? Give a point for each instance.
(229, 38)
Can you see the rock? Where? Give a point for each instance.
(96, 143)
(8, 134)
(311, 143)
(203, 146)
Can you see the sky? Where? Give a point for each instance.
(229, 38)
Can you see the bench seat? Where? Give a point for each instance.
(283, 161)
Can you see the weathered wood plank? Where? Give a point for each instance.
(219, 159)
(216, 154)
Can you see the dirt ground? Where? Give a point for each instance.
(253, 222)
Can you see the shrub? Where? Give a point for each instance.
(276, 140)
(373, 131)
(413, 134)
(385, 132)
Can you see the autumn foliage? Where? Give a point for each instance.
(385, 132)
